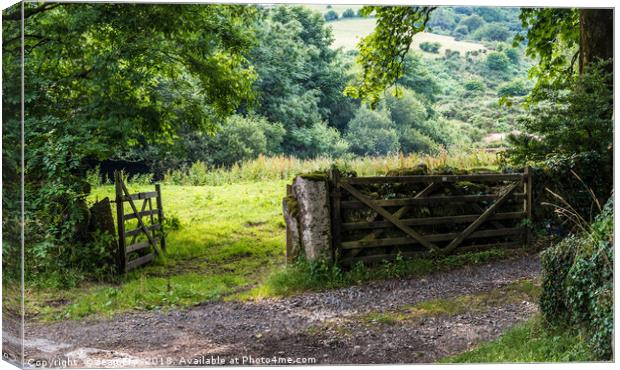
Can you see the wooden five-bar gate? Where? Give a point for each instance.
(378, 218)
(139, 245)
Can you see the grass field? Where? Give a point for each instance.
(231, 242)
(348, 32)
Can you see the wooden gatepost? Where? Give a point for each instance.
(147, 237)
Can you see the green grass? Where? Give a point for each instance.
(531, 341)
(348, 33)
(303, 276)
(231, 236)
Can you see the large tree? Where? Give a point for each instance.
(102, 78)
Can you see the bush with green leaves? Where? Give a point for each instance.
(492, 32)
(516, 87)
(331, 15)
(243, 138)
(497, 61)
(318, 140)
(348, 13)
(371, 132)
(472, 23)
(578, 283)
(430, 47)
(475, 85)
(569, 119)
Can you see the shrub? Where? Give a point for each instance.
(492, 32)
(319, 140)
(243, 138)
(331, 16)
(372, 133)
(578, 283)
(474, 85)
(513, 55)
(472, 23)
(348, 13)
(515, 87)
(497, 61)
(413, 141)
(430, 47)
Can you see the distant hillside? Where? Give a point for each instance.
(348, 32)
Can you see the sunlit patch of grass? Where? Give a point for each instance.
(532, 341)
(230, 238)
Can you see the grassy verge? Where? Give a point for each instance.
(532, 341)
(303, 276)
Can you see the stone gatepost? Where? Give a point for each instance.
(307, 217)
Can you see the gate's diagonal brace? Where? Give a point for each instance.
(388, 216)
(398, 214)
(139, 218)
(475, 206)
(133, 239)
(481, 219)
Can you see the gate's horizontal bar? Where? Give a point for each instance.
(137, 247)
(130, 216)
(146, 195)
(430, 221)
(428, 201)
(139, 261)
(347, 261)
(431, 238)
(139, 230)
(434, 178)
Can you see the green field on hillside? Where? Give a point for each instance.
(348, 32)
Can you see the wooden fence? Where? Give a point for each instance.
(377, 218)
(147, 238)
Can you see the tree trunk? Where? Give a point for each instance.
(597, 36)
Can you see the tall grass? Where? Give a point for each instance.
(285, 168)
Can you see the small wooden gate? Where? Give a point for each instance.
(377, 218)
(147, 238)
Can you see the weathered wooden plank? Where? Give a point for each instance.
(388, 216)
(434, 178)
(528, 202)
(336, 219)
(483, 217)
(454, 199)
(139, 230)
(139, 261)
(431, 238)
(423, 254)
(160, 216)
(131, 216)
(137, 196)
(443, 220)
(137, 246)
(120, 221)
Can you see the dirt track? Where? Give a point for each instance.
(325, 327)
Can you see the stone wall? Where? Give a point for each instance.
(307, 216)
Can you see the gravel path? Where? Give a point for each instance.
(321, 326)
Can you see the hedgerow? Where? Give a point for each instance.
(578, 283)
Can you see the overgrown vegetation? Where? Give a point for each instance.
(303, 276)
(532, 341)
(578, 283)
